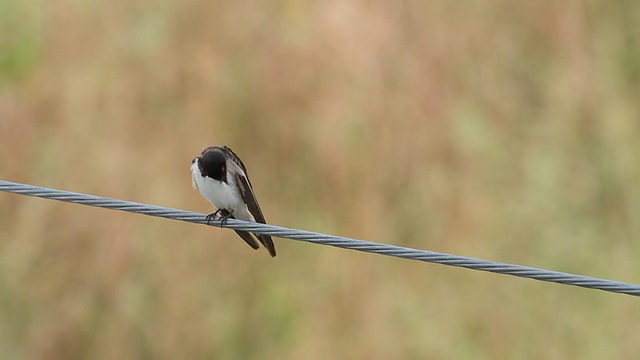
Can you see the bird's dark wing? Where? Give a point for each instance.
(254, 208)
(236, 159)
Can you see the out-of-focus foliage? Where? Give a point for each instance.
(503, 130)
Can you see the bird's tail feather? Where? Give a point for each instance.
(268, 244)
(248, 238)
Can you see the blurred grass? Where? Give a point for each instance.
(507, 131)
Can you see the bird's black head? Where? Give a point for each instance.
(213, 164)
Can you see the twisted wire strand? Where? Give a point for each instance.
(325, 239)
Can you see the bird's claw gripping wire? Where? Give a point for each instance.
(224, 215)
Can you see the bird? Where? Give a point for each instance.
(221, 178)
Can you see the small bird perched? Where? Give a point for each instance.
(220, 176)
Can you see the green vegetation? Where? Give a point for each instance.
(505, 130)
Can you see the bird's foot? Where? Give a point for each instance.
(224, 215)
(210, 217)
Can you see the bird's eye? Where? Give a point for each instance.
(194, 160)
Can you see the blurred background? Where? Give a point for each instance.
(503, 130)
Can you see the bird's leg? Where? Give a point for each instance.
(222, 213)
(225, 216)
(212, 215)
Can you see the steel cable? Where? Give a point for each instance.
(325, 239)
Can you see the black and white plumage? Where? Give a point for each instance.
(221, 177)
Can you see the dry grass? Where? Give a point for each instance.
(503, 130)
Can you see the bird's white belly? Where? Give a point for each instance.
(221, 195)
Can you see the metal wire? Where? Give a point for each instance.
(324, 239)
